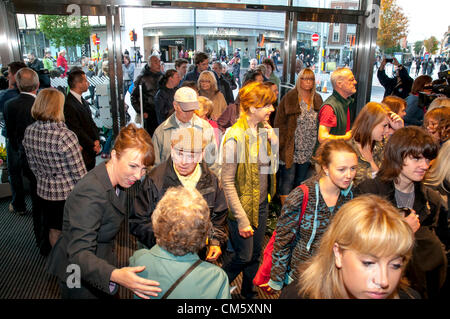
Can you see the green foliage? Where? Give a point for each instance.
(431, 44)
(418, 47)
(393, 25)
(62, 31)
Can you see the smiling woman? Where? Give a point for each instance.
(93, 215)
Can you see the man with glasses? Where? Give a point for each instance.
(185, 102)
(338, 111)
(184, 167)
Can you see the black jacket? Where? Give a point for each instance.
(17, 114)
(153, 189)
(428, 252)
(164, 103)
(225, 88)
(79, 120)
(390, 84)
(150, 86)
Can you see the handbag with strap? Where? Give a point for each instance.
(176, 283)
(263, 275)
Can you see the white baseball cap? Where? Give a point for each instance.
(186, 98)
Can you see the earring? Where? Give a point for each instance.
(326, 173)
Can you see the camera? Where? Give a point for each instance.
(389, 60)
(406, 211)
(437, 88)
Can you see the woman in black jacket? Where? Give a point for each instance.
(164, 97)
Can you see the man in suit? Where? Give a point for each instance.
(79, 117)
(17, 117)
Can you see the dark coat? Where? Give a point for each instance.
(155, 186)
(164, 103)
(17, 116)
(286, 122)
(225, 88)
(150, 85)
(93, 215)
(428, 253)
(79, 120)
(390, 84)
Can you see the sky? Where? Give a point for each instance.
(426, 18)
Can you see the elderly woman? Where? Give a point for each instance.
(248, 161)
(363, 253)
(297, 120)
(54, 156)
(207, 86)
(181, 225)
(83, 257)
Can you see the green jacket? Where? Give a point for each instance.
(248, 172)
(340, 105)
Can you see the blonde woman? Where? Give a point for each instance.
(296, 119)
(207, 86)
(362, 255)
(369, 132)
(54, 156)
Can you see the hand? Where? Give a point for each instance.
(97, 147)
(127, 277)
(413, 220)
(213, 253)
(246, 232)
(395, 121)
(383, 64)
(272, 137)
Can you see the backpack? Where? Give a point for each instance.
(263, 275)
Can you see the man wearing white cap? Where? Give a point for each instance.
(185, 102)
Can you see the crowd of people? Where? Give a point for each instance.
(364, 195)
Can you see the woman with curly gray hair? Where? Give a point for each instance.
(181, 225)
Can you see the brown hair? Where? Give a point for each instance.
(324, 153)
(269, 62)
(255, 94)
(395, 103)
(199, 57)
(133, 137)
(419, 83)
(181, 221)
(48, 106)
(370, 116)
(408, 141)
(442, 116)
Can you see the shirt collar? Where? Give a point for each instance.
(162, 253)
(77, 96)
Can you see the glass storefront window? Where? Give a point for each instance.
(328, 4)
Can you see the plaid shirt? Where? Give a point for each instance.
(54, 156)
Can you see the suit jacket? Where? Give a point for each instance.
(93, 215)
(79, 120)
(17, 115)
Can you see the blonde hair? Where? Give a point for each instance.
(48, 106)
(440, 169)
(208, 75)
(205, 104)
(310, 73)
(371, 115)
(367, 224)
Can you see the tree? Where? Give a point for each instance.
(418, 47)
(431, 44)
(393, 25)
(62, 32)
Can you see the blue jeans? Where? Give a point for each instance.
(292, 177)
(247, 252)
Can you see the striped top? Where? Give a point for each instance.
(54, 156)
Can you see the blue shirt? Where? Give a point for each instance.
(206, 281)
